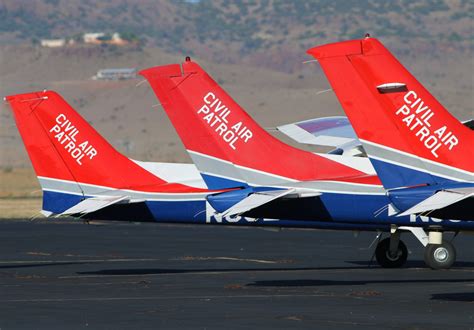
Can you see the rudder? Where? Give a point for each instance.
(409, 136)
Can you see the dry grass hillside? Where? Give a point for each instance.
(270, 33)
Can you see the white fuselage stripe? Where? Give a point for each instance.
(78, 188)
(260, 178)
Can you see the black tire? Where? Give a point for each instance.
(383, 257)
(440, 256)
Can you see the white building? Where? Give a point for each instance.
(53, 43)
(92, 38)
(116, 74)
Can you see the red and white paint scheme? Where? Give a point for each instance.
(226, 144)
(73, 162)
(398, 121)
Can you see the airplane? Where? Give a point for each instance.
(82, 175)
(422, 154)
(271, 179)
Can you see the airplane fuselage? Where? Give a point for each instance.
(328, 211)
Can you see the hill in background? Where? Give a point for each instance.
(267, 33)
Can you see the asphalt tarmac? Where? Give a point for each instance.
(69, 275)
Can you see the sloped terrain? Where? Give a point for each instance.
(266, 32)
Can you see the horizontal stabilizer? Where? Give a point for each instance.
(93, 204)
(439, 200)
(469, 123)
(255, 200)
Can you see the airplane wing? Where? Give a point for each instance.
(93, 204)
(327, 131)
(237, 202)
(440, 199)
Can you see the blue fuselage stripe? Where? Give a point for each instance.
(347, 211)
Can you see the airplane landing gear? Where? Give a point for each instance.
(391, 252)
(440, 256)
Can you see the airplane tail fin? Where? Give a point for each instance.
(226, 144)
(71, 159)
(409, 136)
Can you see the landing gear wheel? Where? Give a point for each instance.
(440, 256)
(391, 260)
